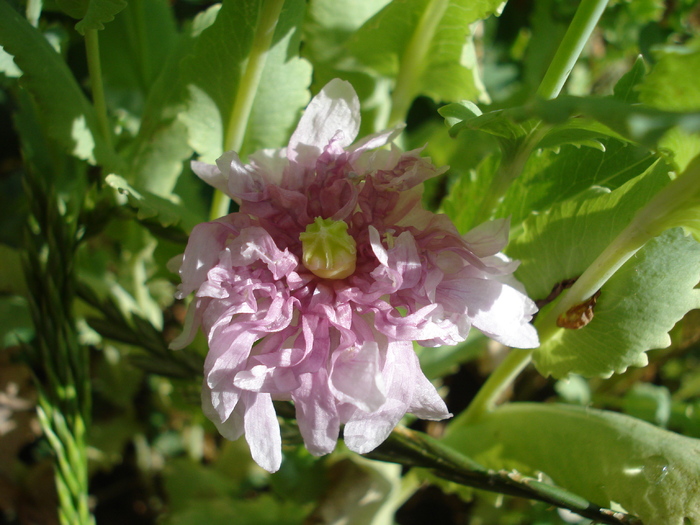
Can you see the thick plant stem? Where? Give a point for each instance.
(237, 124)
(585, 20)
(92, 46)
(413, 61)
(495, 385)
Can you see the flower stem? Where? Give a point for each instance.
(495, 385)
(92, 46)
(580, 29)
(247, 88)
(413, 61)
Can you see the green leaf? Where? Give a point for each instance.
(551, 177)
(627, 88)
(328, 25)
(672, 86)
(8, 66)
(143, 75)
(284, 86)
(69, 115)
(637, 123)
(461, 116)
(16, 324)
(214, 70)
(98, 13)
(427, 43)
(637, 308)
(607, 458)
(649, 402)
(174, 220)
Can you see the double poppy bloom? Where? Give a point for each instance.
(315, 290)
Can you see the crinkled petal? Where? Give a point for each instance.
(231, 427)
(317, 415)
(488, 238)
(356, 378)
(426, 402)
(501, 312)
(262, 431)
(336, 107)
(366, 431)
(211, 174)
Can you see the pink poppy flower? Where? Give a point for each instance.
(316, 289)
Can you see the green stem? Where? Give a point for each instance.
(245, 94)
(92, 45)
(413, 61)
(580, 29)
(495, 385)
(585, 20)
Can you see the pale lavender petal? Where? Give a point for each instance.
(501, 312)
(210, 174)
(262, 431)
(317, 415)
(335, 108)
(356, 378)
(489, 237)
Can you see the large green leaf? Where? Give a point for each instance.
(163, 217)
(150, 87)
(69, 115)
(637, 306)
(431, 38)
(214, 69)
(563, 241)
(607, 458)
(328, 25)
(636, 309)
(132, 59)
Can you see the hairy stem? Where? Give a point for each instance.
(580, 29)
(92, 45)
(237, 124)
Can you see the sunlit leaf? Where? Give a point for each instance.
(214, 71)
(70, 116)
(428, 41)
(605, 457)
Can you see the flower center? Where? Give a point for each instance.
(328, 250)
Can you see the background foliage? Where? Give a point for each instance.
(104, 102)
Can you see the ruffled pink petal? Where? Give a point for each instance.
(336, 107)
(210, 174)
(317, 415)
(488, 238)
(356, 378)
(501, 312)
(232, 427)
(262, 431)
(365, 431)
